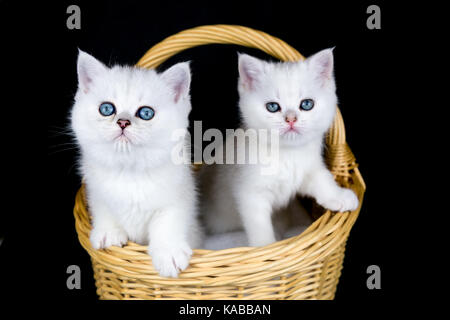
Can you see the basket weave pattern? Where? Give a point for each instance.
(307, 266)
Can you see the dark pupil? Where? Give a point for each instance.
(107, 109)
(146, 113)
(272, 106)
(307, 104)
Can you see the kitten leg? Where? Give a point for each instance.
(256, 214)
(321, 185)
(169, 247)
(105, 232)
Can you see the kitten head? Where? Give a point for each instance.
(296, 98)
(127, 113)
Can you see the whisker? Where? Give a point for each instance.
(71, 167)
(62, 150)
(61, 130)
(52, 134)
(63, 144)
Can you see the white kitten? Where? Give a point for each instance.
(298, 99)
(123, 119)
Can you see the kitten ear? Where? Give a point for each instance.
(178, 78)
(322, 65)
(89, 69)
(250, 70)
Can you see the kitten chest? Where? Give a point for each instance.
(131, 192)
(292, 171)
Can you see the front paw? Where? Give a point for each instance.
(344, 200)
(106, 237)
(169, 260)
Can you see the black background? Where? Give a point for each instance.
(41, 242)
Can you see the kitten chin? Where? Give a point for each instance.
(123, 119)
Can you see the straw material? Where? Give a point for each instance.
(307, 266)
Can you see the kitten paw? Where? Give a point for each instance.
(345, 200)
(170, 260)
(104, 238)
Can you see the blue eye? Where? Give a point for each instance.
(145, 113)
(273, 107)
(106, 109)
(307, 104)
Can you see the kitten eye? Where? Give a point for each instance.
(106, 109)
(307, 104)
(145, 113)
(273, 107)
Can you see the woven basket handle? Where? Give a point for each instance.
(338, 156)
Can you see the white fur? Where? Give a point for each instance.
(289, 222)
(239, 194)
(134, 191)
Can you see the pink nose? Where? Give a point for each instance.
(290, 119)
(123, 123)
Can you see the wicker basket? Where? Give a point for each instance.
(307, 266)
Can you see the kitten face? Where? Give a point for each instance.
(296, 98)
(129, 111)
